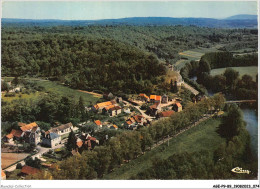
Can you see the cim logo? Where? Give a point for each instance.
(240, 170)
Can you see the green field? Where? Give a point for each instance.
(195, 54)
(249, 70)
(66, 91)
(201, 137)
(52, 86)
(22, 96)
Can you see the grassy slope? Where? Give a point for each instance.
(249, 70)
(55, 87)
(201, 137)
(23, 96)
(66, 91)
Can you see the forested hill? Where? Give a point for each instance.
(240, 22)
(83, 63)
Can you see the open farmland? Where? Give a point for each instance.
(10, 158)
(195, 54)
(192, 55)
(249, 70)
(201, 137)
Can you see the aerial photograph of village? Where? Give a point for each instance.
(159, 90)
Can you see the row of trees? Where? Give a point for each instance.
(130, 144)
(208, 165)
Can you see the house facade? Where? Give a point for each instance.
(51, 140)
(177, 107)
(115, 111)
(164, 99)
(154, 109)
(62, 129)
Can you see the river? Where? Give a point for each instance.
(251, 119)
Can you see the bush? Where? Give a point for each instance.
(10, 95)
(19, 166)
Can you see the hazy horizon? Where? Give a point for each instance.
(86, 10)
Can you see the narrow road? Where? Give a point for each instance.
(141, 111)
(194, 91)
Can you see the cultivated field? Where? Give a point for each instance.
(192, 55)
(195, 54)
(9, 158)
(249, 70)
(201, 137)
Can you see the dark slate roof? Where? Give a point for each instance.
(61, 127)
(53, 136)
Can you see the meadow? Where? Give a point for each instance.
(249, 70)
(194, 54)
(201, 137)
(66, 91)
(52, 86)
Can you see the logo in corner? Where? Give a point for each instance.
(240, 170)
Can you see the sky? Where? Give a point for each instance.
(90, 10)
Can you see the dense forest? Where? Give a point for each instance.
(83, 63)
(114, 58)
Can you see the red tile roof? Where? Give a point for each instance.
(152, 97)
(143, 95)
(20, 124)
(103, 104)
(29, 126)
(91, 138)
(29, 170)
(166, 113)
(154, 106)
(115, 108)
(109, 107)
(138, 118)
(129, 122)
(98, 122)
(79, 143)
(9, 136)
(178, 104)
(158, 98)
(16, 133)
